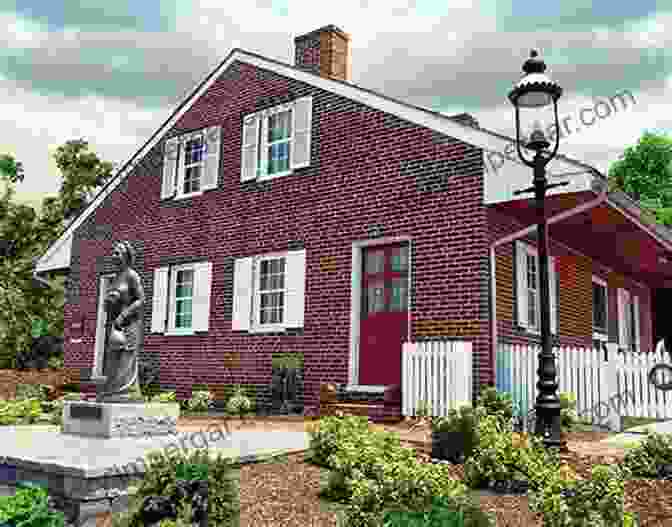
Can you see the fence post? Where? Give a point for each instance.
(613, 401)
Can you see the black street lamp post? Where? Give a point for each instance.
(536, 90)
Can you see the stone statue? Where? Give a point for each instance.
(123, 303)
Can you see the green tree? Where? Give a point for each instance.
(26, 235)
(644, 172)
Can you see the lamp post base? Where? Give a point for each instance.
(548, 426)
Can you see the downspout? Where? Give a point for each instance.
(601, 198)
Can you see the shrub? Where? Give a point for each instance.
(239, 404)
(55, 363)
(32, 391)
(496, 403)
(423, 409)
(29, 507)
(161, 479)
(462, 421)
(597, 501)
(22, 411)
(163, 397)
(646, 459)
(200, 401)
(568, 416)
(442, 513)
(327, 433)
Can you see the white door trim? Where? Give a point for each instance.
(101, 320)
(356, 296)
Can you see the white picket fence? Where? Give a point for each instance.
(436, 372)
(605, 390)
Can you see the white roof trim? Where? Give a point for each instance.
(443, 124)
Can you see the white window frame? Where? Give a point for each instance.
(599, 335)
(263, 145)
(182, 167)
(532, 251)
(172, 300)
(255, 325)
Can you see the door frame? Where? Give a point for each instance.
(104, 282)
(356, 298)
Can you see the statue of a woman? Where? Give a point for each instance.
(123, 303)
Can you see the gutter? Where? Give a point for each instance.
(601, 198)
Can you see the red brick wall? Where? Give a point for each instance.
(574, 289)
(367, 168)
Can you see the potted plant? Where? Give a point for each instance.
(454, 436)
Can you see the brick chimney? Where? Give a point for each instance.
(325, 52)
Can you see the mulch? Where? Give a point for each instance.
(285, 493)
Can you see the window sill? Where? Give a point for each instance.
(268, 329)
(274, 176)
(177, 332)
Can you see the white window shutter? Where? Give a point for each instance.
(622, 320)
(211, 172)
(170, 155)
(201, 302)
(248, 161)
(295, 288)
(303, 110)
(159, 300)
(521, 282)
(242, 294)
(553, 293)
(635, 302)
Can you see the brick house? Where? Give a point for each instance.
(283, 209)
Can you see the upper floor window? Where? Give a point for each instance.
(191, 163)
(276, 141)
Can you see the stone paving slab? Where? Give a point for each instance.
(89, 457)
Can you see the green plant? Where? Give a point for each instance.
(163, 397)
(441, 513)
(239, 404)
(496, 403)
(200, 401)
(22, 411)
(423, 409)
(161, 476)
(597, 501)
(327, 433)
(646, 459)
(56, 362)
(32, 391)
(568, 416)
(191, 471)
(29, 508)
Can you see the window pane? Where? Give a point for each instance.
(375, 294)
(183, 313)
(278, 158)
(599, 307)
(399, 296)
(531, 272)
(375, 261)
(193, 152)
(532, 309)
(192, 179)
(279, 126)
(400, 259)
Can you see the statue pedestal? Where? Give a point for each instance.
(117, 420)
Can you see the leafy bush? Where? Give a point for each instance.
(22, 411)
(239, 404)
(646, 459)
(408, 487)
(32, 391)
(163, 397)
(327, 433)
(56, 362)
(597, 501)
(568, 416)
(423, 409)
(200, 401)
(29, 507)
(496, 403)
(442, 513)
(161, 479)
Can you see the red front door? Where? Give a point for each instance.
(384, 313)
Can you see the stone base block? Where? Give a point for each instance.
(118, 420)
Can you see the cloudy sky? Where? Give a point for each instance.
(112, 72)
